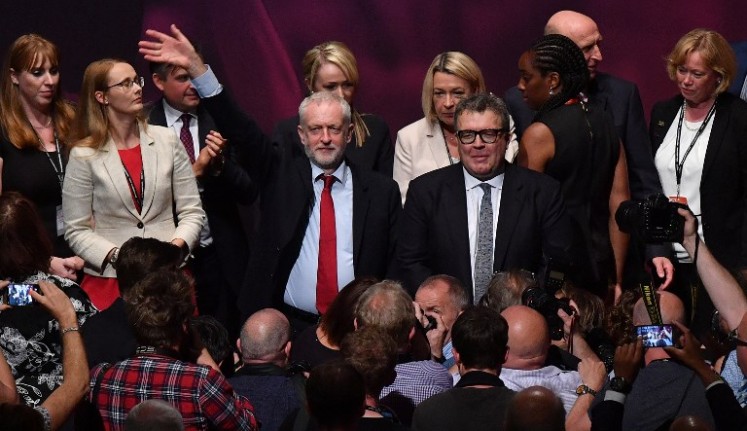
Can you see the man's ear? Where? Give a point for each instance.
(287, 348)
(505, 357)
(157, 81)
(301, 135)
(457, 356)
(238, 344)
(411, 334)
(355, 323)
(350, 133)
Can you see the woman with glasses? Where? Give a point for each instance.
(576, 144)
(36, 124)
(331, 66)
(124, 178)
(431, 143)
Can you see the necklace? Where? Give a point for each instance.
(447, 138)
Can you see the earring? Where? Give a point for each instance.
(551, 92)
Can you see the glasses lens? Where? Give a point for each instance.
(489, 135)
(140, 81)
(466, 136)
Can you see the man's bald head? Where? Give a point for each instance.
(528, 338)
(670, 305)
(264, 336)
(583, 31)
(535, 408)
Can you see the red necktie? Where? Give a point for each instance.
(186, 137)
(326, 275)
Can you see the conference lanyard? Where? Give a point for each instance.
(59, 171)
(138, 197)
(678, 165)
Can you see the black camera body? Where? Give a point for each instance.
(548, 305)
(654, 219)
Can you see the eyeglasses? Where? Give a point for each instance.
(129, 82)
(488, 136)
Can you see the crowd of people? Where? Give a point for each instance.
(490, 269)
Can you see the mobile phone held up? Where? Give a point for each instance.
(656, 335)
(17, 294)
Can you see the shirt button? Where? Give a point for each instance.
(140, 225)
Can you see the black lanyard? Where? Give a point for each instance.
(678, 165)
(58, 170)
(138, 197)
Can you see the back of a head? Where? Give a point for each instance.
(387, 306)
(535, 408)
(336, 395)
(139, 257)
(158, 307)
(263, 336)
(154, 415)
(480, 336)
(555, 53)
(337, 322)
(24, 244)
(506, 287)
(670, 305)
(528, 337)
(567, 23)
(214, 336)
(374, 354)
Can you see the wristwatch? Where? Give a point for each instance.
(113, 257)
(583, 389)
(619, 384)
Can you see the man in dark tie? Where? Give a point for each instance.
(482, 215)
(219, 262)
(323, 222)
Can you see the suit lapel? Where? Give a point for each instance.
(150, 169)
(508, 215)
(115, 169)
(205, 123)
(361, 202)
(457, 225)
(437, 145)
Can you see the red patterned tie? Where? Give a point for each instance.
(326, 275)
(186, 137)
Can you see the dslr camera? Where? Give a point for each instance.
(655, 220)
(543, 299)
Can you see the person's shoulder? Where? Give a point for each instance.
(288, 124)
(528, 177)
(80, 151)
(416, 128)
(438, 176)
(606, 80)
(159, 132)
(373, 121)
(371, 178)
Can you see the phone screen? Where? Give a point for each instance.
(18, 294)
(656, 335)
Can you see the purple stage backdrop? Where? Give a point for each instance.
(256, 46)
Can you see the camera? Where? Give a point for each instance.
(654, 219)
(17, 295)
(656, 335)
(432, 324)
(548, 305)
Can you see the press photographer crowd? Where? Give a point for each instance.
(541, 261)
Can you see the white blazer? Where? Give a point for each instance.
(421, 148)
(97, 203)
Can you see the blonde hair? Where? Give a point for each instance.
(25, 53)
(714, 50)
(92, 123)
(338, 54)
(454, 63)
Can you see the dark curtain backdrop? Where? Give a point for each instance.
(256, 46)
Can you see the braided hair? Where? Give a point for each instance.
(557, 53)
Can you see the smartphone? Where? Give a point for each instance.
(656, 335)
(17, 295)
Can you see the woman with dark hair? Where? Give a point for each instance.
(331, 66)
(29, 335)
(36, 123)
(321, 343)
(124, 178)
(576, 143)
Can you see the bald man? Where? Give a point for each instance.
(528, 344)
(619, 97)
(154, 415)
(535, 408)
(265, 345)
(664, 389)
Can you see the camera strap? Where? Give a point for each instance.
(648, 294)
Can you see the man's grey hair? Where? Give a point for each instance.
(154, 415)
(324, 96)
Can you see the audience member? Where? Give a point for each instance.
(441, 298)
(373, 353)
(213, 336)
(386, 305)
(300, 245)
(607, 414)
(535, 408)
(220, 259)
(154, 415)
(332, 67)
(529, 342)
(108, 336)
(479, 400)
(30, 336)
(105, 197)
(158, 308)
(35, 126)
(264, 378)
(506, 287)
(453, 230)
(321, 343)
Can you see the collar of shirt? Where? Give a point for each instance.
(471, 182)
(479, 378)
(173, 115)
(341, 173)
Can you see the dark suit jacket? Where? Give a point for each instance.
(433, 232)
(622, 100)
(376, 154)
(740, 50)
(219, 197)
(723, 186)
(284, 176)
